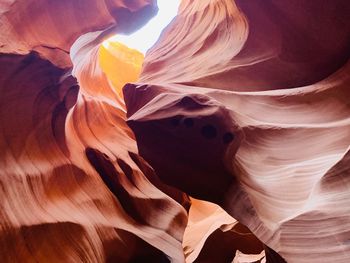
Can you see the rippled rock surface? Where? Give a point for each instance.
(244, 104)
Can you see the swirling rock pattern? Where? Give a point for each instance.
(240, 103)
(73, 186)
(252, 112)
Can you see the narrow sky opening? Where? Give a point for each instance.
(146, 37)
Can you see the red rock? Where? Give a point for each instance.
(241, 103)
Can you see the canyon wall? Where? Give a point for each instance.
(235, 138)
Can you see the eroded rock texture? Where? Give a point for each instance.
(250, 109)
(73, 188)
(241, 103)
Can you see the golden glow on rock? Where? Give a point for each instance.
(121, 57)
(120, 63)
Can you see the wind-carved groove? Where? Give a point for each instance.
(52, 48)
(111, 177)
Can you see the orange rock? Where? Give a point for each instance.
(120, 63)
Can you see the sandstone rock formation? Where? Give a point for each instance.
(73, 187)
(258, 100)
(241, 103)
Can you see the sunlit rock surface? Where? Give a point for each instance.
(241, 103)
(74, 188)
(120, 63)
(252, 112)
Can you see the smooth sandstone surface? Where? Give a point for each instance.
(254, 109)
(73, 188)
(241, 103)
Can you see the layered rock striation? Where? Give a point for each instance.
(240, 103)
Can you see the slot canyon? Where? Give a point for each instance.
(227, 141)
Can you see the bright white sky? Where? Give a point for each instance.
(146, 37)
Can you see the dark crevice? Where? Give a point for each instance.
(272, 256)
(111, 177)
